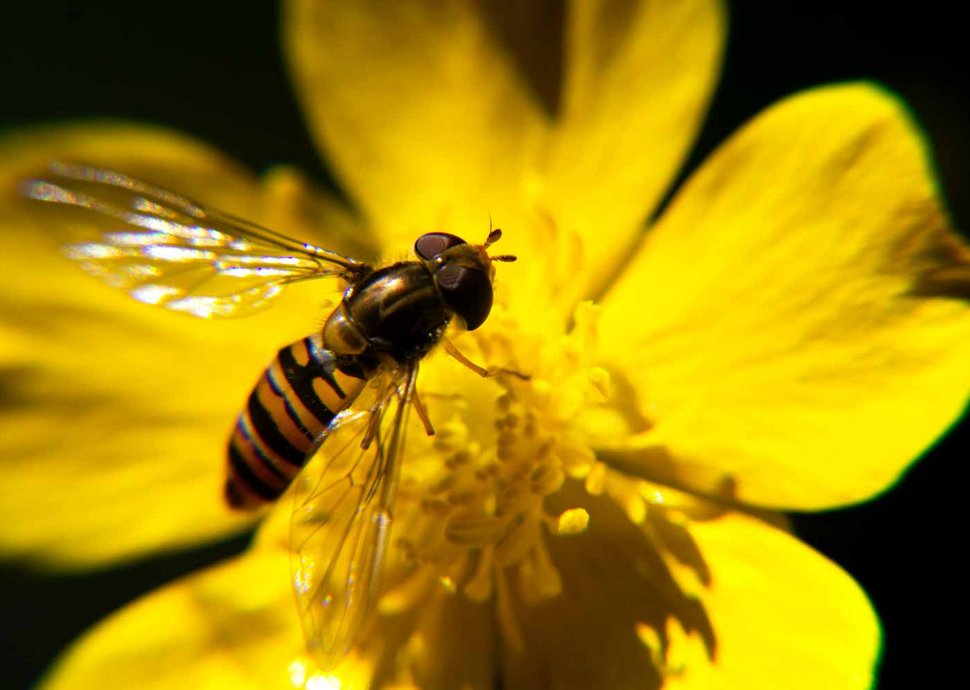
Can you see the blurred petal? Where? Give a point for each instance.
(777, 325)
(293, 205)
(419, 109)
(233, 626)
(638, 80)
(114, 415)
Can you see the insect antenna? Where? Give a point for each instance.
(493, 237)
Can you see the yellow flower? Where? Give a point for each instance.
(781, 339)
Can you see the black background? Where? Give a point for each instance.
(218, 74)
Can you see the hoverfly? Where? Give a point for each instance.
(165, 249)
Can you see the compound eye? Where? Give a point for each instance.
(432, 244)
(468, 291)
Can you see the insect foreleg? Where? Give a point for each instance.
(478, 369)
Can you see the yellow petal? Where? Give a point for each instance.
(420, 110)
(777, 325)
(114, 415)
(727, 602)
(783, 616)
(638, 78)
(233, 626)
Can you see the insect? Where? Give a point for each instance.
(351, 384)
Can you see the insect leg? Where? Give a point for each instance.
(422, 413)
(480, 370)
(375, 414)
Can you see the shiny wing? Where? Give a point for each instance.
(163, 248)
(342, 518)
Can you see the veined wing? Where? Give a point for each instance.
(342, 518)
(163, 248)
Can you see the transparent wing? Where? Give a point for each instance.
(163, 248)
(342, 518)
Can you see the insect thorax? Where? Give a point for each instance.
(396, 312)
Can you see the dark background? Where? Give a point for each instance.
(218, 74)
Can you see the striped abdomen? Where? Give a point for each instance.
(294, 401)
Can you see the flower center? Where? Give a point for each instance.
(473, 504)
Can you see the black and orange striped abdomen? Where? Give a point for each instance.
(290, 407)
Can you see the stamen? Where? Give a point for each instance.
(546, 479)
(479, 587)
(595, 479)
(475, 532)
(541, 579)
(514, 498)
(572, 521)
(507, 619)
